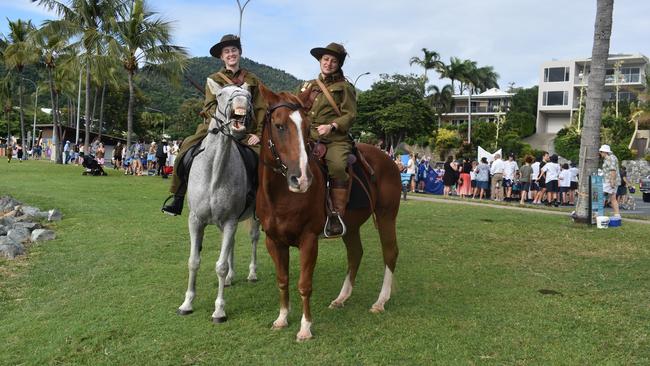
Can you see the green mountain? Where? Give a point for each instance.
(164, 95)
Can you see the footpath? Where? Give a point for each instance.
(505, 206)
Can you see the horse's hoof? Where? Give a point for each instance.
(303, 337)
(336, 305)
(278, 326)
(184, 312)
(252, 280)
(376, 309)
(219, 320)
(227, 285)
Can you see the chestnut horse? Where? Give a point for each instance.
(291, 206)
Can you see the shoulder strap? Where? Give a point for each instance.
(325, 91)
(227, 79)
(239, 81)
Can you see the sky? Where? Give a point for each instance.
(381, 36)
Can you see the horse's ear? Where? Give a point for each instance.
(269, 96)
(245, 86)
(214, 87)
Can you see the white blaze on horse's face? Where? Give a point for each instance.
(300, 184)
(234, 101)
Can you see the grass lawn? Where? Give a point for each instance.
(467, 287)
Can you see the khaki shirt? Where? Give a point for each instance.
(259, 105)
(322, 113)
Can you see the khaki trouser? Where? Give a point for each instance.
(337, 159)
(496, 188)
(178, 186)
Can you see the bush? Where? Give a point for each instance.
(521, 123)
(567, 144)
(446, 140)
(622, 152)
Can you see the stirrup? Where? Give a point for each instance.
(327, 224)
(165, 205)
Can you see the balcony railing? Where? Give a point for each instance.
(609, 79)
(477, 109)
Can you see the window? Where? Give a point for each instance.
(556, 98)
(627, 75)
(555, 74)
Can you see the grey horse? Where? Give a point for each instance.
(216, 192)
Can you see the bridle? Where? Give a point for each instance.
(280, 167)
(221, 124)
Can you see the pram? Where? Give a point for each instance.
(92, 167)
(406, 183)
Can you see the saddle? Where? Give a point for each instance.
(361, 174)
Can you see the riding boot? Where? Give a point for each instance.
(339, 194)
(176, 207)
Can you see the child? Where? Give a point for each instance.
(565, 184)
(551, 173)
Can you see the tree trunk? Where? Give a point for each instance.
(590, 139)
(129, 116)
(87, 113)
(56, 132)
(22, 114)
(92, 115)
(101, 111)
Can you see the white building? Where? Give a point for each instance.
(562, 82)
(487, 106)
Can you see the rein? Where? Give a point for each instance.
(280, 167)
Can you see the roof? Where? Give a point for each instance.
(490, 93)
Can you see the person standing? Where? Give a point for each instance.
(611, 176)
(497, 169)
(465, 179)
(574, 183)
(411, 168)
(229, 50)
(482, 177)
(564, 180)
(161, 155)
(100, 151)
(117, 156)
(525, 175)
(9, 151)
(449, 178)
(509, 172)
(541, 179)
(332, 106)
(19, 152)
(551, 174)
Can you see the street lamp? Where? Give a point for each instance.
(35, 111)
(357, 79)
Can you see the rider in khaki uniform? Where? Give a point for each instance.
(330, 125)
(229, 51)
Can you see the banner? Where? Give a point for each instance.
(433, 182)
(597, 198)
(482, 153)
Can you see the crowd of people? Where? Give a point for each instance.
(541, 180)
(139, 159)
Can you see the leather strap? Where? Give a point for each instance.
(239, 81)
(323, 88)
(223, 76)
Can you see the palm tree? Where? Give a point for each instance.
(590, 138)
(52, 47)
(441, 100)
(19, 53)
(140, 38)
(89, 21)
(430, 61)
(455, 70)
